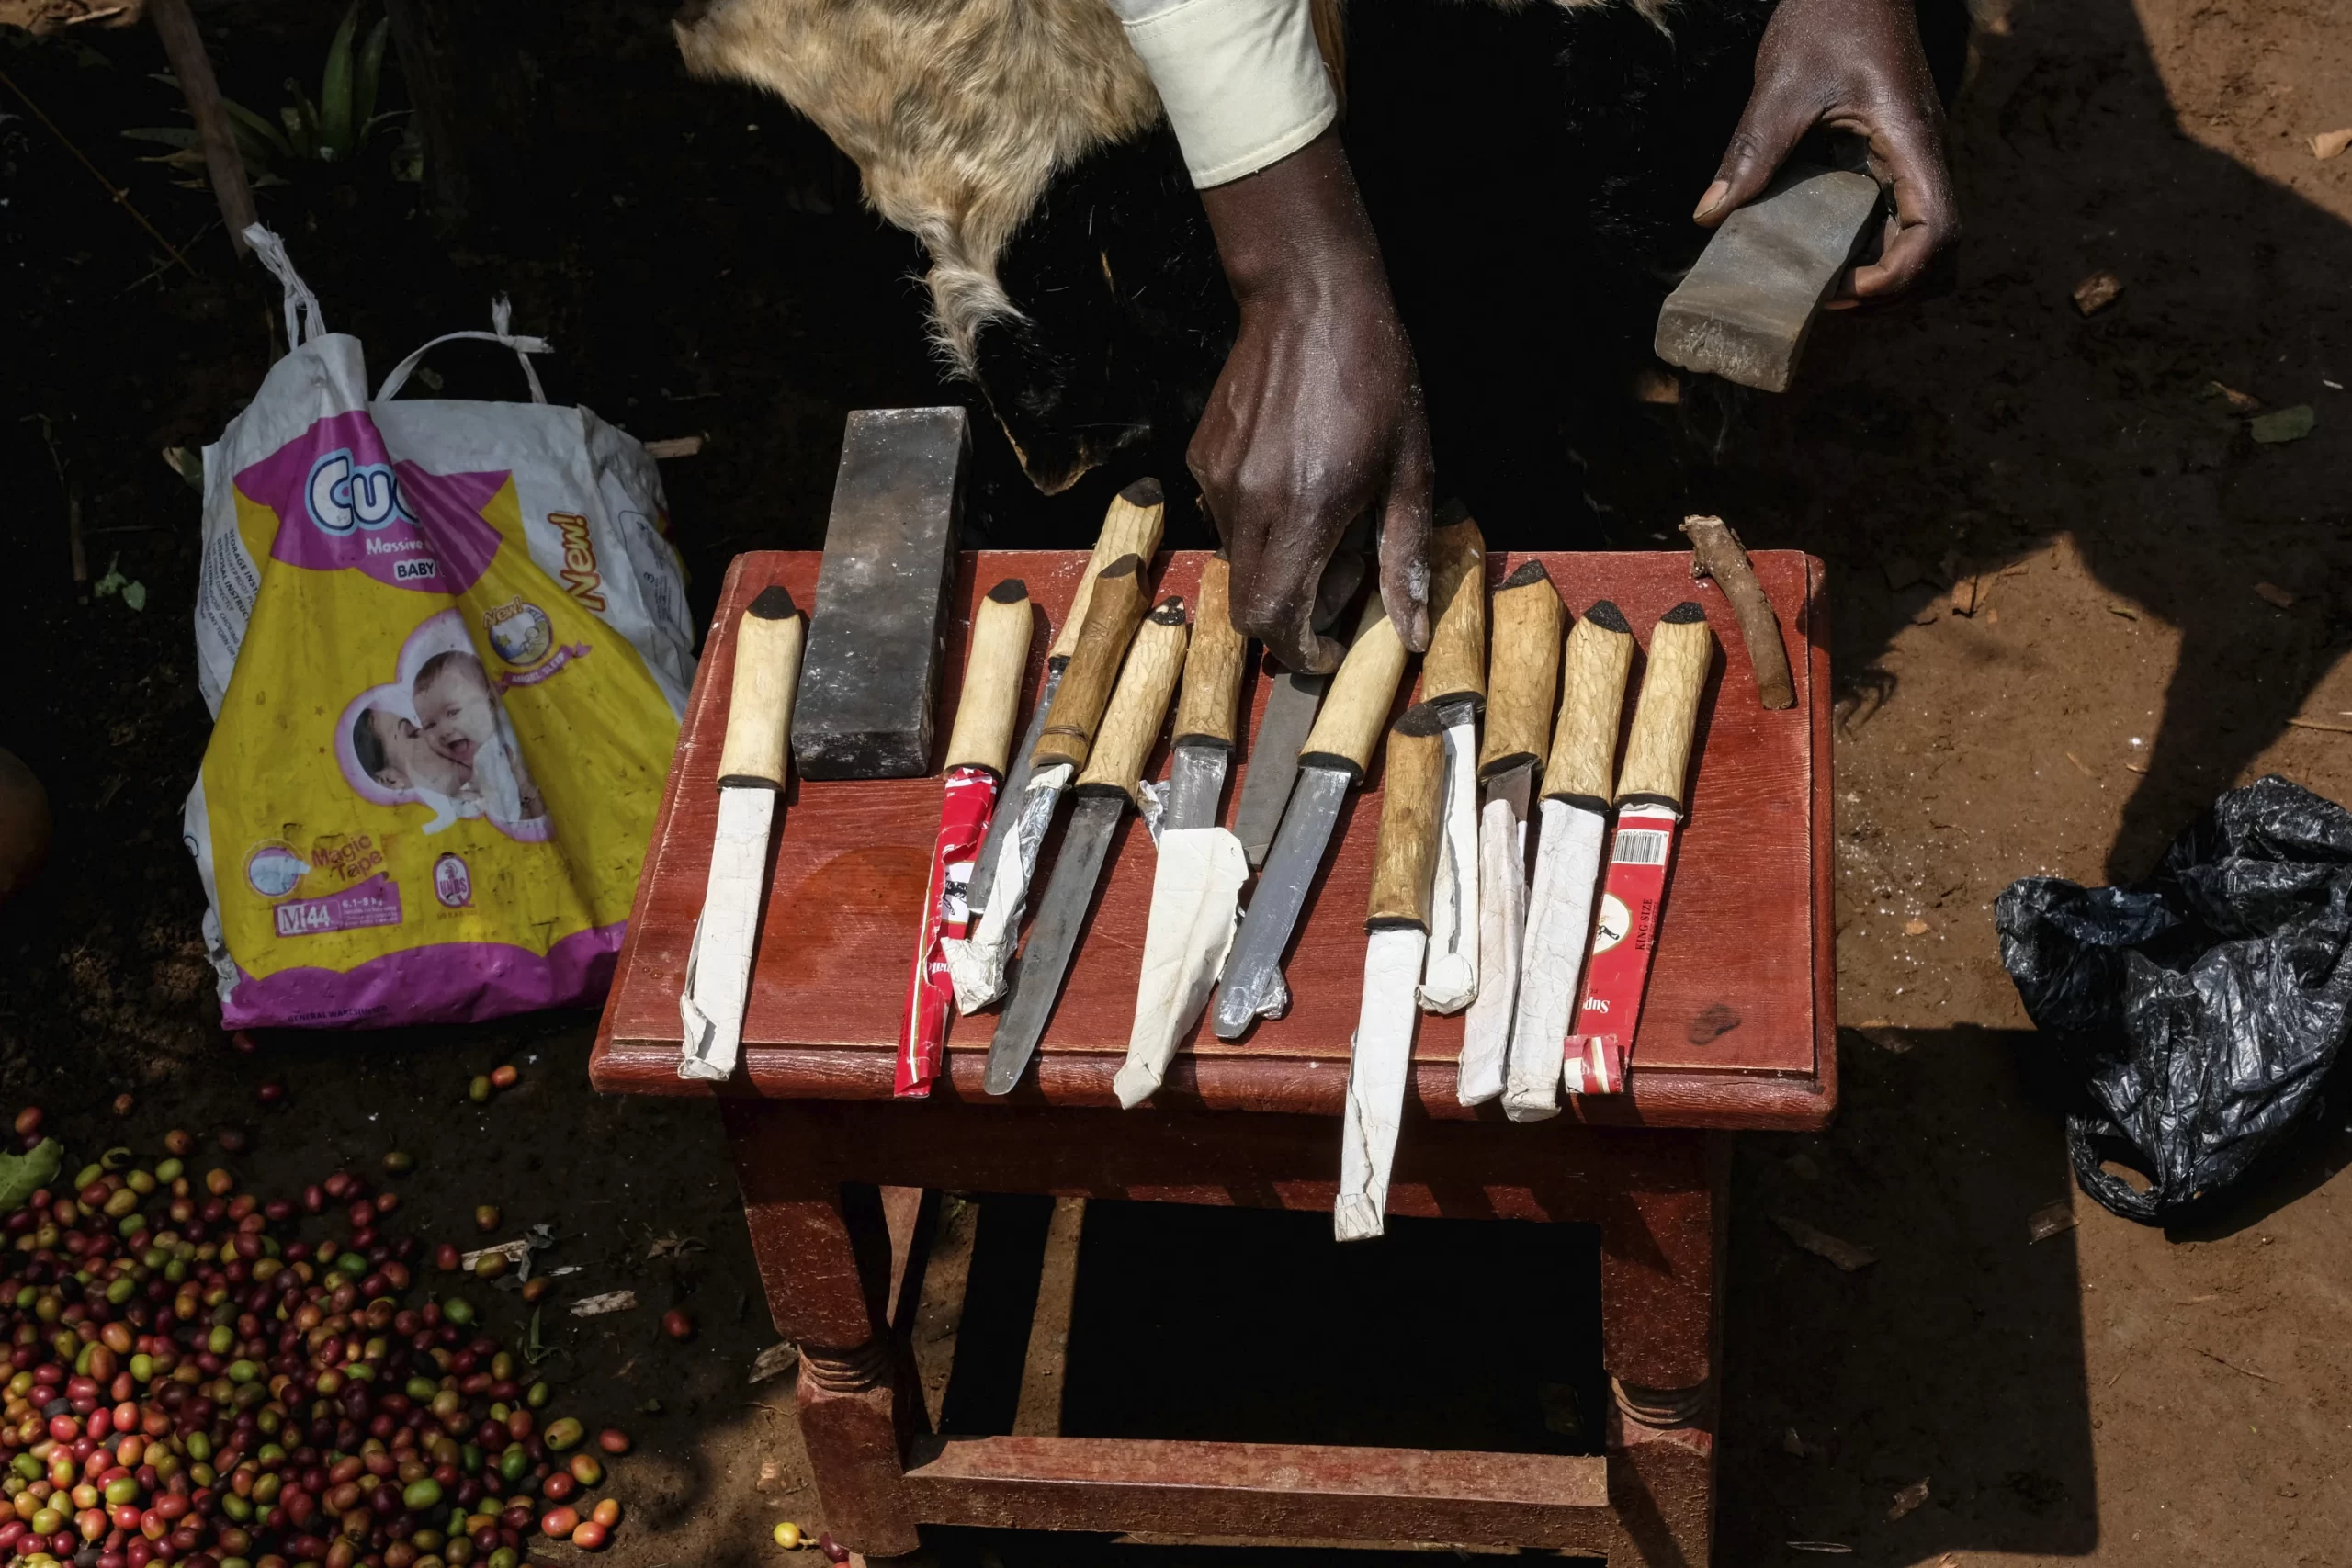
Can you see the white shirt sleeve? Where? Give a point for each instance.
(1242, 80)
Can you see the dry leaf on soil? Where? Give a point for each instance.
(2328, 143)
(2097, 291)
(2273, 593)
(1845, 1254)
(1910, 1497)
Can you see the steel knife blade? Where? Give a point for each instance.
(1108, 786)
(1332, 759)
(751, 771)
(1292, 702)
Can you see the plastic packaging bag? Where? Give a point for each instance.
(2199, 1010)
(446, 650)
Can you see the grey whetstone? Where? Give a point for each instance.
(877, 637)
(1743, 312)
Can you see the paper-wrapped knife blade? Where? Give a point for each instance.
(1380, 1059)
(1577, 785)
(1453, 680)
(1196, 885)
(1523, 678)
(768, 643)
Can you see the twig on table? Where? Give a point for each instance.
(2244, 1371)
(121, 196)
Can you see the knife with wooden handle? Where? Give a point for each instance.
(976, 964)
(1454, 680)
(978, 749)
(1567, 858)
(751, 771)
(1330, 762)
(1524, 679)
(1104, 791)
(1397, 928)
(1130, 528)
(1196, 885)
(1652, 791)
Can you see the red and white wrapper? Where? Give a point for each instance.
(1624, 935)
(964, 813)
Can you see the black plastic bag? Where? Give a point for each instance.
(2199, 1011)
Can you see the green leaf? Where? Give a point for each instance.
(251, 128)
(335, 90)
(2283, 424)
(23, 1175)
(371, 74)
(169, 135)
(135, 595)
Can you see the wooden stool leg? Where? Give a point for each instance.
(1661, 1249)
(825, 1259)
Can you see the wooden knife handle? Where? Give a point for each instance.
(1411, 794)
(1526, 674)
(1593, 695)
(1456, 665)
(993, 664)
(1139, 705)
(759, 705)
(1131, 527)
(1658, 753)
(1348, 727)
(1115, 606)
(1206, 711)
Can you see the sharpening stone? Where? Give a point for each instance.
(876, 635)
(1743, 312)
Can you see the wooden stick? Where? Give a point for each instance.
(1592, 695)
(1406, 858)
(759, 704)
(1716, 552)
(1455, 666)
(1113, 610)
(992, 670)
(1658, 753)
(1348, 727)
(1526, 673)
(223, 164)
(1139, 706)
(1131, 527)
(122, 197)
(1207, 712)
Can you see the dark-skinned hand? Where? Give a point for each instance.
(1854, 66)
(1316, 418)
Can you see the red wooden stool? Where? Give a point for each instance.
(1738, 1031)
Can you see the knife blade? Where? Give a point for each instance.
(1454, 680)
(976, 751)
(1196, 884)
(1104, 791)
(751, 771)
(1567, 858)
(1380, 1058)
(1131, 527)
(1525, 677)
(1293, 698)
(1331, 760)
(976, 964)
(1652, 788)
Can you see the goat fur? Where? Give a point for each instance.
(959, 113)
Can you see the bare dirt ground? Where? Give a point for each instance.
(2153, 596)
